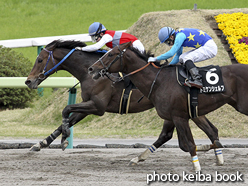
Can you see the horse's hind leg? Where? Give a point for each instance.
(165, 135)
(203, 123)
(73, 119)
(212, 132)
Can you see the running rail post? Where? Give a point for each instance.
(71, 100)
(40, 90)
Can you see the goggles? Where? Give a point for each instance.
(169, 42)
(94, 38)
(97, 34)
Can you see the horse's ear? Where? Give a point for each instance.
(128, 44)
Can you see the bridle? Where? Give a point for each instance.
(44, 73)
(104, 71)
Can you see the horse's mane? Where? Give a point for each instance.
(144, 55)
(70, 44)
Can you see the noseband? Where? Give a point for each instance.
(44, 72)
(105, 68)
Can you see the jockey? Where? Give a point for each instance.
(205, 48)
(110, 38)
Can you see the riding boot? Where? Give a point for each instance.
(194, 72)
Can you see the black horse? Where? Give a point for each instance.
(168, 97)
(98, 96)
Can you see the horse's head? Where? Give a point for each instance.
(48, 60)
(111, 62)
(44, 61)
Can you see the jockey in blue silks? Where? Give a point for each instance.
(204, 48)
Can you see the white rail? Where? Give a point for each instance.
(50, 82)
(42, 41)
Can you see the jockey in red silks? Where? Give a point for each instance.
(110, 38)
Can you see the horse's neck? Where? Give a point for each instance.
(142, 79)
(76, 66)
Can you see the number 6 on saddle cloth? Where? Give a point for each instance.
(212, 83)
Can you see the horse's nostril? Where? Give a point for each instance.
(27, 82)
(90, 69)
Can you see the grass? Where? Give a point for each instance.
(31, 18)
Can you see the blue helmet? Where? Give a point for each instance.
(165, 33)
(96, 28)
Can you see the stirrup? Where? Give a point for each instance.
(193, 84)
(186, 83)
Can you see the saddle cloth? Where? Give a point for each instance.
(126, 95)
(211, 78)
(212, 83)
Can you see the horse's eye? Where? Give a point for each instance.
(110, 55)
(40, 60)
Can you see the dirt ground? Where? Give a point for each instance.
(108, 167)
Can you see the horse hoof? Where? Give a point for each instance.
(218, 144)
(220, 164)
(220, 161)
(132, 163)
(35, 147)
(64, 145)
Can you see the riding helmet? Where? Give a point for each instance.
(165, 33)
(96, 28)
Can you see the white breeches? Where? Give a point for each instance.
(207, 51)
(138, 45)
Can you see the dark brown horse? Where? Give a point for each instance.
(93, 93)
(168, 97)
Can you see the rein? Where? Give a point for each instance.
(45, 73)
(131, 73)
(104, 71)
(138, 70)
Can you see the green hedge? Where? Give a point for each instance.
(13, 64)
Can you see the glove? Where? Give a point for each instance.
(78, 48)
(152, 59)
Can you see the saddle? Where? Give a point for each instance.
(212, 83)
(126, 94)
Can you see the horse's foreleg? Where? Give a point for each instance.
(186, 141)
(65, 133)
(73, 119)
(47, 141)
(85, 108)
(65, 126)
(165, 135)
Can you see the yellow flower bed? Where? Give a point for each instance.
(234, 27)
